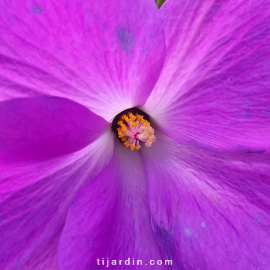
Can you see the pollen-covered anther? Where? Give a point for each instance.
(134, 128)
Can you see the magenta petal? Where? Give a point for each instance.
(106, 55)
(45, 127)
(34, 200)
(109, 218)
(209, 211)
(214, 88)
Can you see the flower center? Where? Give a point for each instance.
(132, 126)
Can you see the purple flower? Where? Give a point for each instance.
(73, 197)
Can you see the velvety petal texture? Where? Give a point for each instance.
(214, 89)
(109, 219)
(209, 211)
(106, 55)
(45, 127)
(34, 200)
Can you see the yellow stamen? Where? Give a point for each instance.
(134, 128)
(132, 147)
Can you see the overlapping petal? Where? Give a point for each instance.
(109, 219)
(34, 200)
(214, 89)
(45, 127)
(106, 55)
(209, 211)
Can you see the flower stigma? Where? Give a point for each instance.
(132, 126)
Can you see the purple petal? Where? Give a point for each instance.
(209, 211)
(106, 55)
(45, 127)
(109, 218)
(214, 88)
(34, 200)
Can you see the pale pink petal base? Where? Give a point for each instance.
(214, 89)
(209, 211)
(106, 55)
(34, 200)
(109, 218)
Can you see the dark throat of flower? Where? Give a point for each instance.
(132, 126)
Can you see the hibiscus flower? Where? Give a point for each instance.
(186, 88)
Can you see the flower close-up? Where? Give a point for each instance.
(134, 137)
